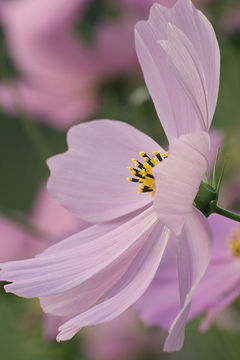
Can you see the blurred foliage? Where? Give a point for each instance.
(94, 14)
(22, 337)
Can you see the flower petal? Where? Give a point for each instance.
(174, 107)
(129, 289)
(194, 246)
(177, 179)
(76, 259)
(90, 179)
(89, 293)
(188, 71)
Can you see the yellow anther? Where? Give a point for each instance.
(154, 161)
(234, 243)
(135, 162)
(143, 174)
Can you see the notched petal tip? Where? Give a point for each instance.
(184, 38)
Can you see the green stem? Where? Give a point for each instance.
(218, 210)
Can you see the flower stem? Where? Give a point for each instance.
(229, 214)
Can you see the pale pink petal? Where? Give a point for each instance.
(178, 178)
(95, 289)
(82, 297)
(131, 287)
(188, 71)
(202, 36)
(174, 107)
(90, 179)
(194, 246)
(159, 305)
(61, 267)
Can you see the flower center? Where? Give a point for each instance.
(234, 243)
(143, 171)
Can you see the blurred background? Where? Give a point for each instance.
(67, 61)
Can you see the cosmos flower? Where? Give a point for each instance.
(122, 338)
(58, 72)
(219, 287)
(51, 223)
(231, 21)
(96, 274)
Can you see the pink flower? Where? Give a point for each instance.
(51, 223)
(148, 3)
(96, 274)
(231, 21)
(59, 73)
(219, 287)
(120, 339)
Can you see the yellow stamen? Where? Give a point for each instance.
(234, 243)
(143, 173)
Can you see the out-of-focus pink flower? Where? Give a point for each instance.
(146, 4)
(123, 338)
(59, 73)
(201, 2)
(230, 192)
(52, 223)
(219, 287)
(96, 274)
(231, 21)
(50, 220)
(16, 243)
